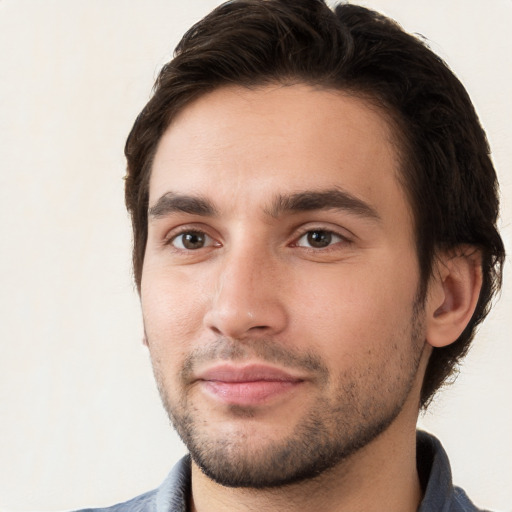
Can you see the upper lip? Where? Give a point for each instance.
(246, 373)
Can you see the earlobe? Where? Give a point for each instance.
(453, 294)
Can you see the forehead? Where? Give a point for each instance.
(244, 144)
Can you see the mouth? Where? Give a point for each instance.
(247, 385)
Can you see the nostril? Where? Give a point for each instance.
(234, 315)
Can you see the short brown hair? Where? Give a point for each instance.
(446, 168)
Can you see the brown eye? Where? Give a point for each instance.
(318, 239)
(191, 240)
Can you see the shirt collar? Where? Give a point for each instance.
(173, 494)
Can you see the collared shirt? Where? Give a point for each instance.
(440, 495)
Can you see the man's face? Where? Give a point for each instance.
(279, 287)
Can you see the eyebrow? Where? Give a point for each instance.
(173, 203)
(332, 199)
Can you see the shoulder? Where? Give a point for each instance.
(461, 503)
(143, 503)
(171, 496)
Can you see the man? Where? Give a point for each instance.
(314, 212)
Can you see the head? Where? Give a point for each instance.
(255, 71)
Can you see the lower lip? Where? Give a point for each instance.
(248, 393)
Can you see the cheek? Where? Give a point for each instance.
(172, 309)
(354, 308)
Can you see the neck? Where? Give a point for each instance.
(380, 476)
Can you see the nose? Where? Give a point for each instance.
(247, 300)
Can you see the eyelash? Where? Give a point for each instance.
(342, 238)
(169, 240)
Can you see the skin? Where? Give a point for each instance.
(232, 275)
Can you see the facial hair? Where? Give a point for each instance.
(366, 400)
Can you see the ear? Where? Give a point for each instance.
(454, 289)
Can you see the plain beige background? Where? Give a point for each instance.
(81, 422)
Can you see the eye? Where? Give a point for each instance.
(191, 240)
(318, 239)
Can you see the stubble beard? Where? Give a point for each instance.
(366, 403)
